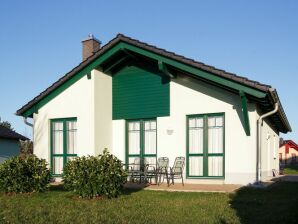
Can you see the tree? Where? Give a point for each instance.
(6, 124)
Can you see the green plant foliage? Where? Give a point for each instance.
(23, 174)
(94, 176)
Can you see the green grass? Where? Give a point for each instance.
(291, 170)
(277, 204)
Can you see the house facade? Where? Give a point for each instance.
(9, 143)
(140, 101)
(288, 153)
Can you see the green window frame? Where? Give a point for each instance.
(142, 130)
(204, 153)
(65, 129)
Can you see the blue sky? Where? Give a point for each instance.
(40, 41)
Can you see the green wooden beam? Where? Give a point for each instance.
(163, 68)
(89, 75)
(245, 112)
(115, 64)
(206, 75)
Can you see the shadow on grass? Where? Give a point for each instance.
(291, 169)
(125, 191)
(274, 204)
(57, 187)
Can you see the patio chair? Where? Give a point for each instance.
(176, 172)
(149, 171)
(162, 169)
(133, 169)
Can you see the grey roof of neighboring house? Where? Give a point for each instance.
(9, 134)
(121, 38)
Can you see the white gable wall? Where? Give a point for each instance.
(187, 97)
(76, 101)
(90, 101)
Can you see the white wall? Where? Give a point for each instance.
(189, 96)
(118, 148)
(76, 101)
(103, 111)
(269, 151)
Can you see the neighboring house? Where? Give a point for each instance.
(9, 143)
(288, 153)
(138, 100)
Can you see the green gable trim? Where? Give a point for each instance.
(245, 113)
(138, 93)
(196, 71)
(161, 59)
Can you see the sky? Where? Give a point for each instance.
(41, 40)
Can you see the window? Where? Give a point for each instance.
(63, 143)
(205, 146)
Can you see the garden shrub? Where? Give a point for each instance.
(23, 174)
(94, 176)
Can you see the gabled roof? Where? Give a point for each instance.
(291, 143)
(262, 93)
(9, 134)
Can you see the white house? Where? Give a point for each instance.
(138, 100)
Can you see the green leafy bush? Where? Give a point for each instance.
(95, 176)
(23, 174)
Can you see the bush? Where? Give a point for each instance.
(23, 174)
(95, 176)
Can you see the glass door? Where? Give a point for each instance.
(141, 141)
(205, 146)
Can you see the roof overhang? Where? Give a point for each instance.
(122, 50)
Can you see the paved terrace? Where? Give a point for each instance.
(223, 188)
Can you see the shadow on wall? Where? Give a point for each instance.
(39, 133)
(217, 93)
(274, 204)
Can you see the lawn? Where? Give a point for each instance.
(291, 169)
(277, 204)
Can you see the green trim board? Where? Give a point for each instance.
(245, 113)
(205, 155)
(65, 155)
(121, 46)
(142, 140)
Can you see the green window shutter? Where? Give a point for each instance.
(138, 93)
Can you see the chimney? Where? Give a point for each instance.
(90, 46)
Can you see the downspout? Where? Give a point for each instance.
(259, 136)
(29, 124)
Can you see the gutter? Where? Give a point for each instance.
(26, 122)
(259, 133)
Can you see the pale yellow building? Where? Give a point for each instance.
(288, 153)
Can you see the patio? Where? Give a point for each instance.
(221, 188)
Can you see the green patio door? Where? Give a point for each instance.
(141, 141)
(205, 146)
